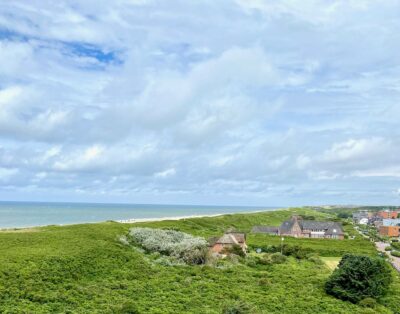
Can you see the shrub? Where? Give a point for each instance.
(395, 245)
(295, 251)
(128, 308)
(238, 307)
(234, 249)
(368, 302)
(277, 258)
(395, 253)
(359, 277)
(314, 258)
(388, 248)
(180, 245)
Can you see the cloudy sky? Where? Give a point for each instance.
(245, 102)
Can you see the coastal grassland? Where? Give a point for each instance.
(85, 269)
(331, 262)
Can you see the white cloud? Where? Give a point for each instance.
(298, 103)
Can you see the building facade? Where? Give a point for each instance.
(299, 228)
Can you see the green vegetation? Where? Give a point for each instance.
(179, 246)
(87, 269)
(395, 253)
(359, 277)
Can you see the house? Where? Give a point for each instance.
(388, 214)
(389, 231)
(299, 228)
(390, 227)
(265, 230)
(361, 217)
(228, 240)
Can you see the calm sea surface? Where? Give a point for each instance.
(24, 214)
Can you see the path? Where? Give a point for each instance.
(395, 261)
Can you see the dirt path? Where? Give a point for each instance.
(395, 261)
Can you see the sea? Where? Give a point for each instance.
(30, 214)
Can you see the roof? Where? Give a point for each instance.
(265, 229)
(227, 238)
(232, 238)
(330, 227)
(286, 226)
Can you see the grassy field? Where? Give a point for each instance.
(331, 262)
(85, 269)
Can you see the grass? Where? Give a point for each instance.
(331, 262)
(85, 269)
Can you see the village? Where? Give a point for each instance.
(383, 228)
(296, 227)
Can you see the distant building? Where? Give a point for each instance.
(389, 231)
(388, 214)
(360, 216)
(297, 227)
(390, 222)
(265, 230)
(228, 240)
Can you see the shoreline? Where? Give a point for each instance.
(139, 220)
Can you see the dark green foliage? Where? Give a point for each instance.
(395, 253)
(368, 302)
(277, 258)
(359, 277)
(395, 245)
(235, 249)
(344, 215)
(287, 250)
(388, 248)
(238, 307)
(128, 308)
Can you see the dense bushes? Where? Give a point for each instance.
(180, 245)
(359, 277)
(238, 307)
(287, 250)
(234, 249)
(395, 253)
(395, 245)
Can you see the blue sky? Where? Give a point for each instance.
(245, 102)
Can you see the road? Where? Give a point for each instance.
(395, 261)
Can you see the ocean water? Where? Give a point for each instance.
(28, 214)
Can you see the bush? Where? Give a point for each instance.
(388, 248)
(295, 251)
(359, 277)
(395, 245)
(344, 215)
(180, 245)
(395, 253)
(128, 308)
(368, 302)
(238, 307)
(277, 258)
(234, 249)
(314, 258)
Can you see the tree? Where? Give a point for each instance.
(359, 277)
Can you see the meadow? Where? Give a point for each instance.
(86, 269)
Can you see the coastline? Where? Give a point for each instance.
(139, 220)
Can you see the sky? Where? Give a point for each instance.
(246, 102)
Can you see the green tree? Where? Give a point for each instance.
(359, 277)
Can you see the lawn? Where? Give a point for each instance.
(85, 269)
(331, 262)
